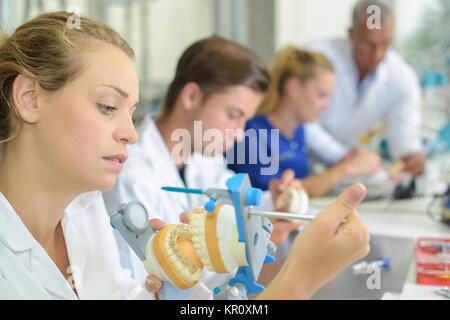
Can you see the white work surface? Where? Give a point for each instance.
(404, 219)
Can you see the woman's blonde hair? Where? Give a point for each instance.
(48, 50)
(291, 62)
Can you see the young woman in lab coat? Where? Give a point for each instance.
(67, 96)
(301, 86)
(66, 101)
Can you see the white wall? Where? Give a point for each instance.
(170, 26)
(409, 14)
(302, 21)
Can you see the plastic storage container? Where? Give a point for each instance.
(435, 99)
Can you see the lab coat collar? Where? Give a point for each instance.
(76, 244)
(381, 70)
(379, 74)
(151, 142)
(13, 232)
(45, 272)
(81, 203)
(77, 250)
(15, 236)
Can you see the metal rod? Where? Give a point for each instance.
(280, 215)
(284, 215)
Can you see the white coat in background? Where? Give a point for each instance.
(150, 167)
(27, 272)
(391, 94)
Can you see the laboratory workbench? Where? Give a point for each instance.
(395, 226)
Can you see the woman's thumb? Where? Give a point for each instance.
(346, 202)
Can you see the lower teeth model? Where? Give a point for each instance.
(179, 252)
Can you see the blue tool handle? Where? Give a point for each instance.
(183, 190)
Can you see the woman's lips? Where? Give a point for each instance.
(116, 160)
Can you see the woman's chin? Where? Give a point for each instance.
(312, 119)
(105, 184)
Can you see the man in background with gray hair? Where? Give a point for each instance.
(374, 84)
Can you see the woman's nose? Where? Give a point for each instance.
(126, 132)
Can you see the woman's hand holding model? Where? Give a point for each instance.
(319, 253)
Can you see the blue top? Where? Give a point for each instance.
(265, 153)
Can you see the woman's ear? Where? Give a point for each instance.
(191, 96)
(24, 95)
(292, 87)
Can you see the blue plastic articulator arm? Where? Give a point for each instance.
(254, 231)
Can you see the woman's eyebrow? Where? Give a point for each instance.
(120, 91)
(237, 109)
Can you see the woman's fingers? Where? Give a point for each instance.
(153, 285)
(185, 217)
(345, 204)
(157, 224)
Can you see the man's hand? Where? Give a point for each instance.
(414, 163)
(358, 162)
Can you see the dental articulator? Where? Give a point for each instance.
(221, 237)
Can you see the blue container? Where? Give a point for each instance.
(434, 79)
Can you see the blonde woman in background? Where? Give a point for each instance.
(300, 89)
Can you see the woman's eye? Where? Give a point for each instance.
(107, 109)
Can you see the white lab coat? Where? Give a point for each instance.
(27, 272)
(150, 167)
(390, 94)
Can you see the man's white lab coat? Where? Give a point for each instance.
(391, 94)
(27, 272)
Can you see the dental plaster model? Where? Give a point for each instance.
(179, 252)
(296, 200)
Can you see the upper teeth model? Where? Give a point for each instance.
(296, 200)
(179, 252)
(216, 239)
